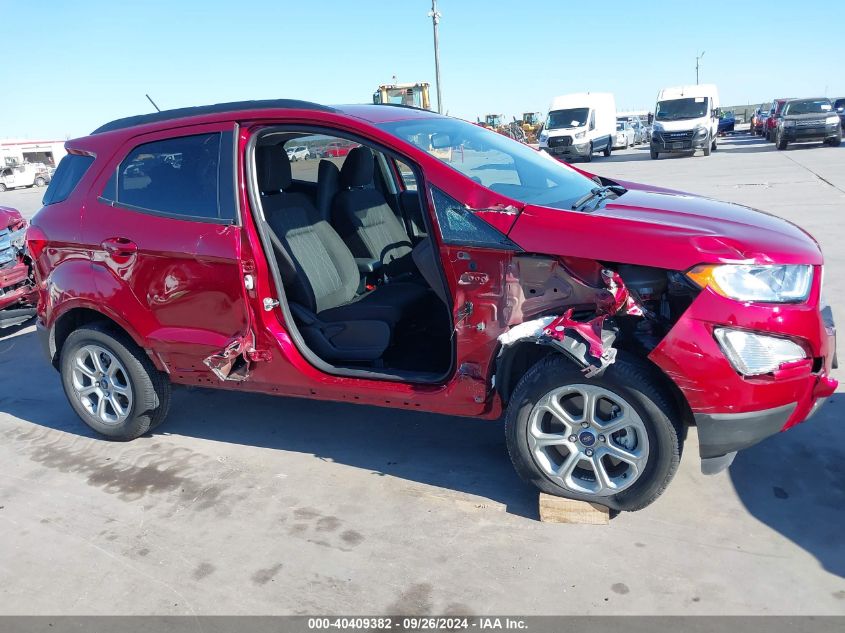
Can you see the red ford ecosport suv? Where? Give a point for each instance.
(438, 267)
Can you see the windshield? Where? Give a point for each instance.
(503, 165)
(809, 106)
(620, 125)
(677, 109)
(571, 117)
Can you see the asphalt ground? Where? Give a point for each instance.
(244, 504)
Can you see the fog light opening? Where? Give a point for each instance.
(754, 354)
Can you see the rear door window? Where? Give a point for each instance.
(177, 177)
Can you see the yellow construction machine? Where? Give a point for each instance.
(412, 94)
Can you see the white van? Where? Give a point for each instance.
(579, 124)
(686, 118)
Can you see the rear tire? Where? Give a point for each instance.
(626, 396)
(608, 149)
(40, 182)
(834, 142)
(2, 187)
(112, 384)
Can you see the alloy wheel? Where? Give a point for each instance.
(101, 384)
(588, 439)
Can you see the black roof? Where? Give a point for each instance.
(234, 106)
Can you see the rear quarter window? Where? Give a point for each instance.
(68, 174)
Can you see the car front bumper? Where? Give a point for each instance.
(578, 150)
(733, 411)
(811, 134)
(15, 288)
(664, 145)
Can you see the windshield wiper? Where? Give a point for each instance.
(598, 194)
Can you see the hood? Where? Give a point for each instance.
(666, 230)
(684, 124)
(565, 131)
(11, 219)
(811, 116)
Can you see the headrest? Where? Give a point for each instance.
(273, 168)
(328, 184)
(357, 170)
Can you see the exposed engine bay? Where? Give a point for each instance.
(588, 310)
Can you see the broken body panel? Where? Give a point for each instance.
(17, 291)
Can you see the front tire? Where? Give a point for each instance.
(708, 147)
(780, 142)
(655, 155)
(589, 157)
(619, 450)
(40, 182)
(112, 384)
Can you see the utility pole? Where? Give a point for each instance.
(435, 20)
(697, 58)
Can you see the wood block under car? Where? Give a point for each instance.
(559, 510)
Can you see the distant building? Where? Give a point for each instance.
(18, 152)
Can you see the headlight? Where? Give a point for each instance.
(18, 238)
(789, 123)
(580, 134)
(831, 120)
(657, 128)
(755, 354)
(749, 282)
(544, 136)
(701, 131)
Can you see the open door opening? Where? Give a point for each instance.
(346, 234)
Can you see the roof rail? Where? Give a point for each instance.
(233, 106)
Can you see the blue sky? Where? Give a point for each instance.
(78, 64)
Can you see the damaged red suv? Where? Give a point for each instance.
(438, 266)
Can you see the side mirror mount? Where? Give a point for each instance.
(441, 141)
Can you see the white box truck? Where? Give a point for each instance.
(579, 124)
(686, 118)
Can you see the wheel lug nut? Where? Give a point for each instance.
(585, 425)
(572, 438)
(602, 438)
(589, 452)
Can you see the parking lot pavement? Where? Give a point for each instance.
(27, 201)
(252, 504)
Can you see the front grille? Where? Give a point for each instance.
(810, 123)
(560, 141)
(7, 253)
(674, 137)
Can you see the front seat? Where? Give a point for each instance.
(320, 274)
(365, 220)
